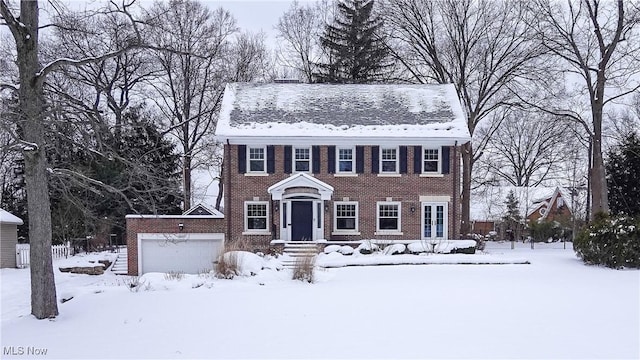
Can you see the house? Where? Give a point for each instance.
(8, 238)
(337, 163)
(535, 204)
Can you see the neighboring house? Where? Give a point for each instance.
(8, 238)
(341, 162)
(535, 204)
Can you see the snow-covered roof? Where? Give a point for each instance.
(8, 218)
(490, 202)
(283, 113)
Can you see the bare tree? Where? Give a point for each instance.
(598, 40)
(300, 28)
(527, 149)
(483, 48)
(190, 88)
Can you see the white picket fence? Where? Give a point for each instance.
(23, 253)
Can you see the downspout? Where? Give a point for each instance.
(456, 185)
(227, 202)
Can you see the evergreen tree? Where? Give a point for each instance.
(512, 218)
(354, 45)
(623, 176)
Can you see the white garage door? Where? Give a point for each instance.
(186, 253)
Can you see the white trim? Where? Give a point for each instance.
(436, 198)
(345, 175)
(300, 180)
(438, 161)
(353, 160)
(445, 220)
(389, 175)
(397, 160)
(151, 216)
(266, 230)
(256, 174)
(431, 175)
(356, 230)
(264, 160)
(293, 159)
(388, 141)
(397, 231)
(177, 236)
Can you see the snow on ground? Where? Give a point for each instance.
(553, 308)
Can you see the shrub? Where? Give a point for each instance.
(303, 270)
(174, 275)
(613, 242)
(227, 266)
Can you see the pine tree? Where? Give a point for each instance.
(354, 45)
(623, 176)
(512, 217)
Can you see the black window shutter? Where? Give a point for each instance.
(403, 159)
(242, 159)
(271, 160)
(417, 159)
(331, 159)
(315, 159)
(360, 159)
(287, 159)
(375, 159)
(445, 159)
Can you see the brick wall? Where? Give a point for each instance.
(367, 189)
(152, 224)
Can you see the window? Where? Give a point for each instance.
(430, 161)
(345, 160)
(388, 160)
(256, 217)
(388, 217)
(256, 157)
(302, 159)
(346, 216)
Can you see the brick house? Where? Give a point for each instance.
(341, 162)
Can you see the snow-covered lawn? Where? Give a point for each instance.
(553, 308)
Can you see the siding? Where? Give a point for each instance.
(8, 241)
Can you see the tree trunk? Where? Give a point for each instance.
(465, 201)
(43, 288)
(600, 197)
(186, 171)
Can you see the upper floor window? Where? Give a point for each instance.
(431, 161)
(256, 159)
(388, 160)
(346, 160)
(302, 159)
(346, 216)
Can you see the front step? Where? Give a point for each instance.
(297, 251)
(120, 266)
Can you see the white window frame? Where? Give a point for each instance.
(397, 231)
(397, 162)
(294, 159)
(264, 160)
(266, 230)
(438, 160)
(354, 231)
(353, 160)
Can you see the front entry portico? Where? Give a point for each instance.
(301, 198)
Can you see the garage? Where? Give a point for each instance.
(189, 253)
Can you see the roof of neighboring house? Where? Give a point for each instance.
(490, 202)
(8, 218)
(405, 113)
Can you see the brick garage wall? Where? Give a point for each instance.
(161, 225)
(366, 188)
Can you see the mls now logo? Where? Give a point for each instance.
(23, 350)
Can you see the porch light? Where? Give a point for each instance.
(413, 209)
(276, 206)
(181, 226)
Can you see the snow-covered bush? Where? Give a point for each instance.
(613, 242)
(394, 249)
(238, 263)
(331, 248)
(346, 250)
(367, 247)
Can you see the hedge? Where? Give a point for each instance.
(610, 241)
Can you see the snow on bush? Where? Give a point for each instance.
(346, 250)
(612, 242)
(367, 247)
(394, 249)
(442, 247)
(239, 263)
(332, 248)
